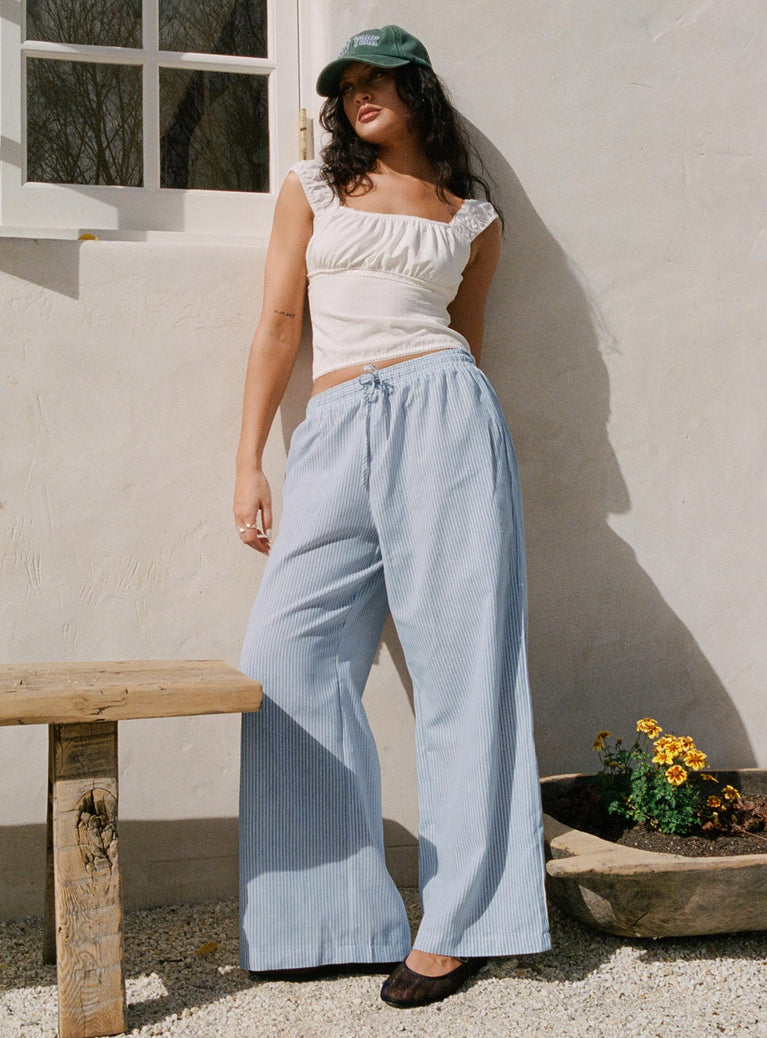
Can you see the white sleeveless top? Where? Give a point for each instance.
(380, 283)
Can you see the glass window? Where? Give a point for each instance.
(105, 23)
(84, 123)
(112, 106)
(214, 27)
(214, 130)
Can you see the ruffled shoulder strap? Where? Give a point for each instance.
(318, 192)
(473, 217)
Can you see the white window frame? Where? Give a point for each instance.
(33, 209)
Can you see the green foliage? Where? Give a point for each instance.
(659, 781)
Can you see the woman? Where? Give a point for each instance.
(401, 493)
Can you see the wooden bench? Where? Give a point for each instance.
(82, 703)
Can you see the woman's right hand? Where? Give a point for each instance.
(272, 356)
(252, 495)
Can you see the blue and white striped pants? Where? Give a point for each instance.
(401, 493)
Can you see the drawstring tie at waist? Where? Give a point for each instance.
(373, 386)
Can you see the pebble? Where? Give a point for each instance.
(590, 985)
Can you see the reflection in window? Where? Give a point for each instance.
(214, 26)
(214, 130)
(107, 23)
(84, 123)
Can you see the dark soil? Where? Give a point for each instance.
(583, 808)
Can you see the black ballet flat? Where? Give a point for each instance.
(406, 988)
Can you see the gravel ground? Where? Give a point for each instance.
(183, 980)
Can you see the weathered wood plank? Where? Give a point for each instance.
(73, 693)
(89, 948)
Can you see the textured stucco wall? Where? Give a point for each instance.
(626, 343)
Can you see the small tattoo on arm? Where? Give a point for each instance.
(283, 313)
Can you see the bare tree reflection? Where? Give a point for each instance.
(85, 121)
(96, 22)
(214, 27)
(200, 109)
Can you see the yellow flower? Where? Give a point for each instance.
(709, 778)
(599, 742)
(669, 745)
(714, 802)
(663, 757)
(695, 759)
(650, 727)
(676, 775)
(686, 742)
(730, 793)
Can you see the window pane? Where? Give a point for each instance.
(214, 26)
(214, 130)
(107, 23)
(83, 123)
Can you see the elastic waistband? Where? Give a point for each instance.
(393, 374)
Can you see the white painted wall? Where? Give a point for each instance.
(625, 340)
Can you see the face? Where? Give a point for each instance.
(372, 105)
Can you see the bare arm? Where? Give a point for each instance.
(467, 310)
(272, 355)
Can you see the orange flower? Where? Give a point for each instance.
(731, 793)
(650, 727)
(714, 802)
(676, 775)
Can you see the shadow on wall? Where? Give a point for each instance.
(54, 265)
(605, 648)
(169, 862)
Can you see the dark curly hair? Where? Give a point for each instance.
(348, 159)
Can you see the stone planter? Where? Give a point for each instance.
(637, 893)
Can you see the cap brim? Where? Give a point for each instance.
(327, 81)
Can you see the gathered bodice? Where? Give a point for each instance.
(380, 283)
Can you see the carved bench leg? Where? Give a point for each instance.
(88, 907)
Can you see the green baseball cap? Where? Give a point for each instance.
(389, 47)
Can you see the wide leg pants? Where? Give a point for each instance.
(401, 493)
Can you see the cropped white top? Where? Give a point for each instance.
(380, 283)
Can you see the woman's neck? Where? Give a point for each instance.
(405, 159)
